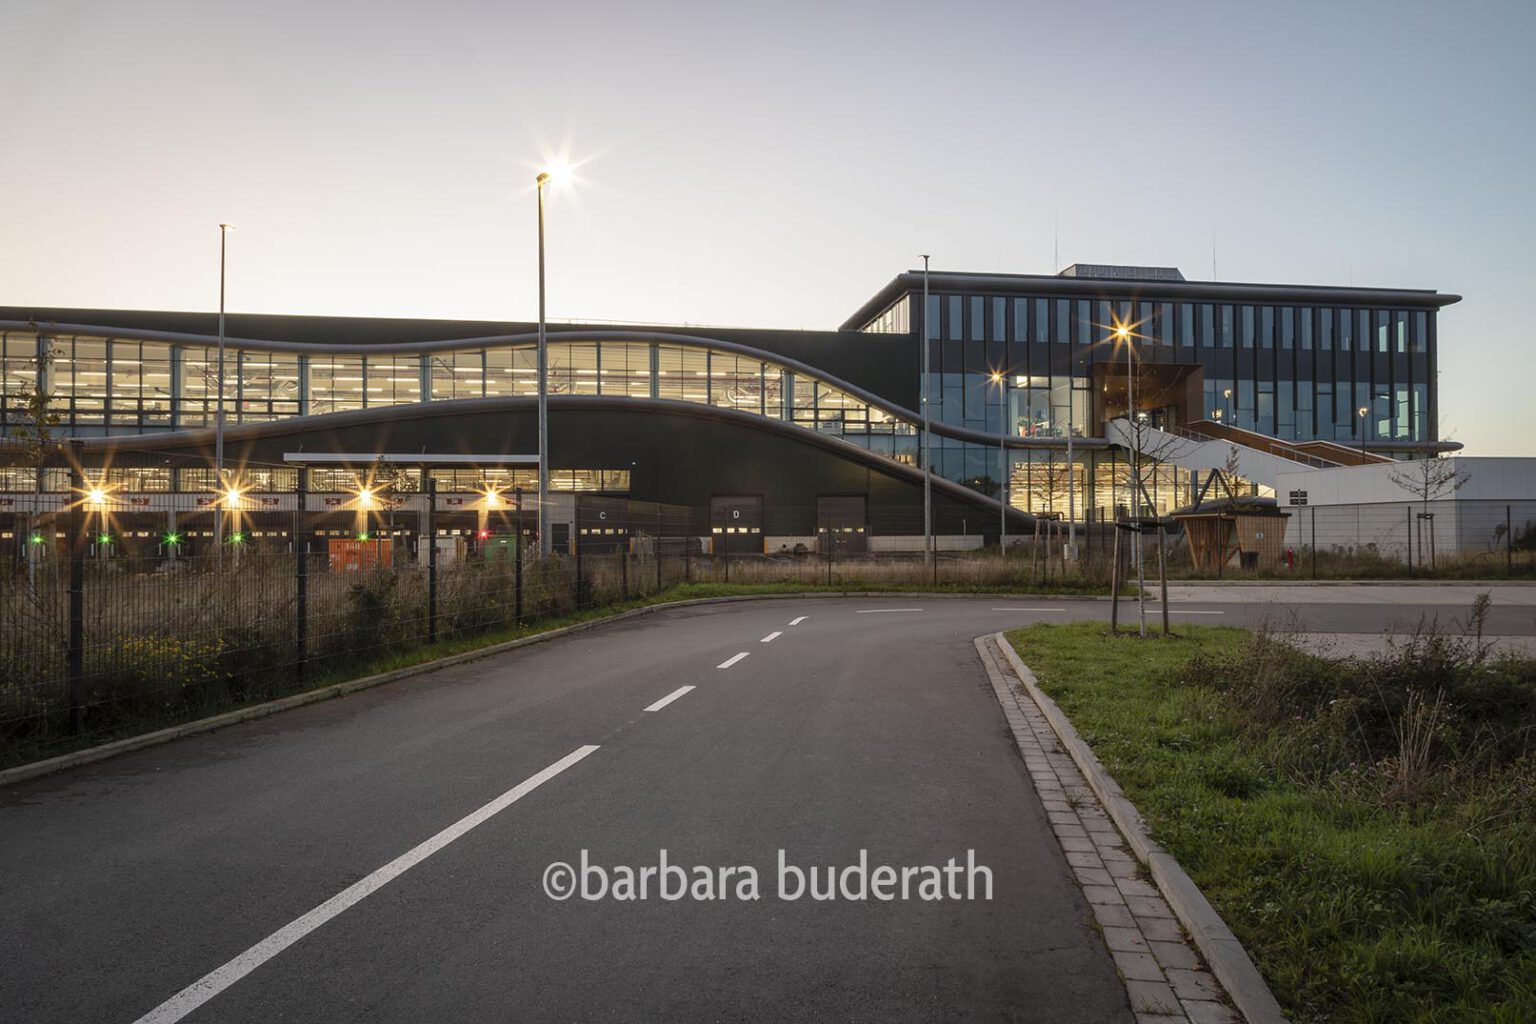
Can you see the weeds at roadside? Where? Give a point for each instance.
(1367, 826)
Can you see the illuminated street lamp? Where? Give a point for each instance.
(1363, 412)
(96, 497)
(230, 505)
(1124, 334)
(1002, 459)
(554, 175)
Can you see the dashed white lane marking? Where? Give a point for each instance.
(881, 611)
(1191, 611)
(771, 637)
(733, 659)
(216, 981)
(669, 698)
(796, 622)
(1063, 610)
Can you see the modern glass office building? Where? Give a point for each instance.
(1017, 364)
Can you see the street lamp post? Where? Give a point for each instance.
(1004, 485)
(1071, 552)
(927, 445)
(218, 422)
(1363, 412)
(543, 373)
(1124, 334)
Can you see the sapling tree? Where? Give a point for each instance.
(1429, 480)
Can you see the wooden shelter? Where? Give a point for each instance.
(1255, 535)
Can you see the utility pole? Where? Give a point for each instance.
(927, 445)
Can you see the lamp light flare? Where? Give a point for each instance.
(365, 499)
(96, 496)
(556, 172)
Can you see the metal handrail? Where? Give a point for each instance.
(1277, 447)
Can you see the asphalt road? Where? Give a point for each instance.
(863, 726)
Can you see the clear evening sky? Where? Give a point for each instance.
(773, 164)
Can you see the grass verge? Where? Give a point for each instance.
(1367, 829)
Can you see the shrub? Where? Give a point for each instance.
(144, 674)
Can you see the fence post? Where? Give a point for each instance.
(656, 548)
(517, 559)
(1409, 537)
(1114, 584)
(1314, 541)
(301, 576)
(578, 561)
(830, 543)
(431, 558)
(77, 541)
(624, 571)
(1162, 573)
(1509, 544)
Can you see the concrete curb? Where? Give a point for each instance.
(1353, 583)
(1228, 960)
(89, 755)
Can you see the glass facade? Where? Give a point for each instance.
(98, 383)
(1296, 372)
(1032, 367)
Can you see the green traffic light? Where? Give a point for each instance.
(105, 538)
(363, 535)
(237, 538)
(173, 538)
(37, 538)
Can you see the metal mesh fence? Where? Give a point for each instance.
(1463, 537)
(123, 608)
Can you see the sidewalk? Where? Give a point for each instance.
(1457, 593)
(1359, 645)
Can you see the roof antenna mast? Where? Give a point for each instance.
(1055, 242)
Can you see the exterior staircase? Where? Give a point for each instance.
(1327, 451)
(1205, 445)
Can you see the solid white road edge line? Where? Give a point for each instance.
(1189, 611)
(669, 698)
(771, 637)
(878, 611)
(216, 981)
(796, 622)
(733, 659)
(1063, 610)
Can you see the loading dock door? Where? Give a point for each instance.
(736, 524)
(842, 525)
